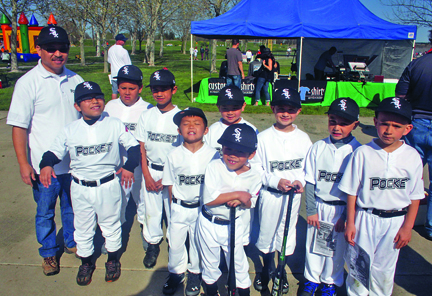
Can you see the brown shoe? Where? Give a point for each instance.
(72, 250)
(50, 266)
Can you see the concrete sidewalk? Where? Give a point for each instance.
(20, 263)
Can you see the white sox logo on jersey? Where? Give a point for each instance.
(286, 165)
(286, 93)
(191, 180)
(87, 85)
(229, 94)
(157, 75)
(388, 183)
(329, 176)
(237, 134)
(94, 149)
(125, 70)
(54, 32)
(156, 137)
(343, 104)
(396, 102)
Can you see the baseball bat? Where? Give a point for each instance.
(278, 280)
(231, 272)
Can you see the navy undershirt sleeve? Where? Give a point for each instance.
(133, 158)
(48, 159)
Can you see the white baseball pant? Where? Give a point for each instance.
(183, 222)
(137, 195)
(375, 235)
(272, 222)
(211, 237)
(102, 203)
(319, 268)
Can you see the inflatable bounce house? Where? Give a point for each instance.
(27, 35)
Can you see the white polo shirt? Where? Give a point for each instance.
(118, 57)
(43, 103)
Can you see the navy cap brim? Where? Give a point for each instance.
(285, 103)
(343, 115)
(188, 112)
(235, 146)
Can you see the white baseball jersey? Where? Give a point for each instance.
(185, 170)
(159, 133)
(43, 103)
(219, 179)
(325, 165)
(118, 57)
(279, 155)
(382, 180)
(129, 115)
(93, 149)
(216, 130)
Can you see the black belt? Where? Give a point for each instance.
(334, 202)
(388, 213)
(94, 183)
(157, 167)
(185, 204)
(275, 190)
(213, 219)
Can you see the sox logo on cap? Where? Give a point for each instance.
(237, 134)
(156, 75)
(125, 70)
(396, 102)
(54, 32)
(87, 85)
(229, 94)
(286, 93)
(343, 104)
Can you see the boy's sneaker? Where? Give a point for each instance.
(112, 271)
(285, 284)
(85, 272)
(257, 282)
(72, 250)
(193, 285)
(171, 285)
(50, 266)
(328, 290)
(309, 289)
(151, 255)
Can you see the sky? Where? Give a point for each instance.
(380, 10)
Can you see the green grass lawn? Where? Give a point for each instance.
(174, 60)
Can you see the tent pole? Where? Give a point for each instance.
(413, 49)
(191, 69)
(300, 62)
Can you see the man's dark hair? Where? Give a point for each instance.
(332, 50)
(235, 42)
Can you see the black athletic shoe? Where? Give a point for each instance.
(309, 289)
(171, 285)
(151, 255)
(112, 271)
(193, 285)
(85, 272)
(257, 282)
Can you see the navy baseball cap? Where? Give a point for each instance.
(130, 72)
(397, 106)
(162, 77)
(87, 90)
(346, 108)
(286, 96)
(52, 34)
(191, 111)
(120, 37)
(239, 136)
(230, 95)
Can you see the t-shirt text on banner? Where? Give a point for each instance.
(216, 84)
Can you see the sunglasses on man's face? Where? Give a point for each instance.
(53, 49)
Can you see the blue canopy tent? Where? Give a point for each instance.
(318, 25)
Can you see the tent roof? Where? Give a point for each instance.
(337, 19)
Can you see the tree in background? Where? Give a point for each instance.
(417, 12)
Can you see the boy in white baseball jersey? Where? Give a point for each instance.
(383, 181)
(184, 176)
(93, 145)
(157, 135)
(324, 166)
(280, 156)
(128, 109)
(229, 182)
(231, 104)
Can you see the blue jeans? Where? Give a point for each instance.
(46, 199)
(420, 138)
(234, 79)
(262, 83)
